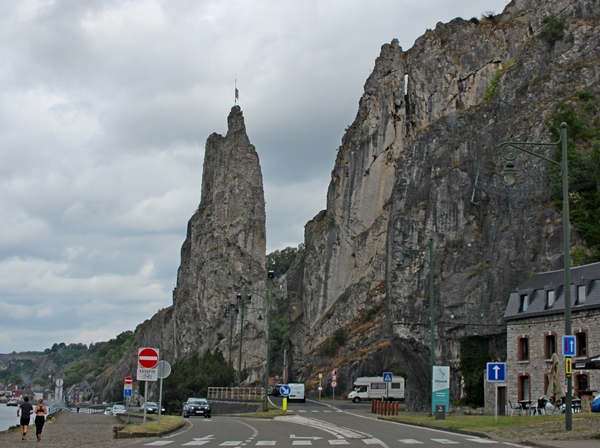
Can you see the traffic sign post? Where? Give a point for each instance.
(128, 388)
(147, 370)
(568, 366)
(387, 379)
(284, 391)
(569, 345)
(334, 377)
(147, 364)
(164, 370)
(496, 373)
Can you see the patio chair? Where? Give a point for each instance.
(540, 408)
(514, 407)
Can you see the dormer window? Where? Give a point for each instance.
(550, 298)
(523, 303)
(580, 295)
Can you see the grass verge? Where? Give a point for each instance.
(485, 423)
(167, 423)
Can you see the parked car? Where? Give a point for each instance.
(108, 411)
(275, 391)
(151, 408)
(196, 406)
(118, 409)
(596, 404)
(12, 402)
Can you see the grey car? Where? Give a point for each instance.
(196, 406)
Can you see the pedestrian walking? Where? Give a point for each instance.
(78, 405)
(40, 418)
(24, 411)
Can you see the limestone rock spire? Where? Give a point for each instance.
(225, 247)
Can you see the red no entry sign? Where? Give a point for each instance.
(128, 380)
(148, 358)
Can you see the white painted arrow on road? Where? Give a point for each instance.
(292, 436)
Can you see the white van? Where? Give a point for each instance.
(297, 392)
(373, 388)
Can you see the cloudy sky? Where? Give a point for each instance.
(105, 107)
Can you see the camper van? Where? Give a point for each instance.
(373, 388)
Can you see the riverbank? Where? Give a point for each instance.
(72, 430)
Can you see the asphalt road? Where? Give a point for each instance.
(314, 424)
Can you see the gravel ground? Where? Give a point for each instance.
(70, 430)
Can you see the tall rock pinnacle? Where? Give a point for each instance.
(225, 247)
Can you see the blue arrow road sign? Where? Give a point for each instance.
(284, 390)
(569, 345)
(496, 372)
(387, 377)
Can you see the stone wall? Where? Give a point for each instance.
(538, 364)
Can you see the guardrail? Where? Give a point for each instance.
(236, 393)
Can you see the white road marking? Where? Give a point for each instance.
(159, 443)
(266, 443)
(445, 441)
(411, 442)
(339, 442)
(302, 442)
(231, 443)
(372, 441)
(196, 443)
(484, 441)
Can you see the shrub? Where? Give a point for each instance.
(554, 28)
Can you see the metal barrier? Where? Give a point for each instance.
(236, 393)
(384, 407)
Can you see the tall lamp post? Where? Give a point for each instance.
(417, 255)
(229, 313)
(510, 173)
(241, 309)
(269, 297)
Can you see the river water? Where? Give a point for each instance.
(8, 416)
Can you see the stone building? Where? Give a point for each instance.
(536, 323)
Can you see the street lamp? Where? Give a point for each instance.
(510, 173)
(241, 309)
(269, 297)
(416, 255)
(229, 313)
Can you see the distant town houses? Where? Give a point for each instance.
(80, 392)
(535, 325)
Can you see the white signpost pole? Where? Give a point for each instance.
(164, 370)
(145, 400)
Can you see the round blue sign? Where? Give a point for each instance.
(284, 390)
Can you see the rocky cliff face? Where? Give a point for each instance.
(223, 255)
(420, 161)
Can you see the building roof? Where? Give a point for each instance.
(537, 287)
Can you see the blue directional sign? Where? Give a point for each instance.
(284, 390)
(387, 377)
(496, 372)
(569, 345)
(127, 393)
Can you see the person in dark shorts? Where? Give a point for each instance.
(24, 411)
(40, 418)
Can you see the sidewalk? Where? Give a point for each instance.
(71, 430)
(582, 443)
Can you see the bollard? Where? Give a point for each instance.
(373, 407)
